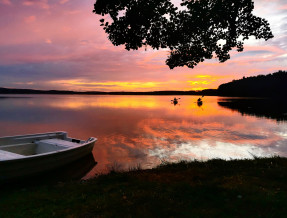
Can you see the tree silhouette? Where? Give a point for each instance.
(270, 85)
(203, 29)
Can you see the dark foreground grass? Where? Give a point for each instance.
(217, 188)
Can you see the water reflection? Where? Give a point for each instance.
(260, 107)
(199, 103)
(144, 130)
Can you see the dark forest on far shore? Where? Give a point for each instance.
(271, 85)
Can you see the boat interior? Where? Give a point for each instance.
(27, 145)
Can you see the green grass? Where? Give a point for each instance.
(216, 188)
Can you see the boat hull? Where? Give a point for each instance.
(30, 165)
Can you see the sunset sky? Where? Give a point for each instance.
(59, 44)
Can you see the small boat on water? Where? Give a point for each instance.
(175, 101)
(25, 155)
(199, 101)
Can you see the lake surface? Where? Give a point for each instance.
(147, 130)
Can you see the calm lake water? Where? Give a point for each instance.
(146, 130)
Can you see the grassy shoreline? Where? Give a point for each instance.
(215, 188)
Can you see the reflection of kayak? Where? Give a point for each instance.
(199, 103)
(174, 101)
(25, 155)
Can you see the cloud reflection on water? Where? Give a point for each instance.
(145, 130)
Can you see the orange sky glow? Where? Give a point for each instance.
(59, 44)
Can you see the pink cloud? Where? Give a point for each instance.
(48, 41)
(283, 7)
(39, 3)
(30, 19)
(6, 2)
(64, 1)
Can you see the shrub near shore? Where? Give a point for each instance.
(235, 188)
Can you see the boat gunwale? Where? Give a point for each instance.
(36, 134)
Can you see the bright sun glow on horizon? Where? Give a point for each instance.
(60, 45)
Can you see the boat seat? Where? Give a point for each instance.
(6, 155)
(58, 142)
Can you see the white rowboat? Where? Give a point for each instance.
(25, 155)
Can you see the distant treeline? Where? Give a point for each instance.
(271, 85)
(33, 91)
(209, 92)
